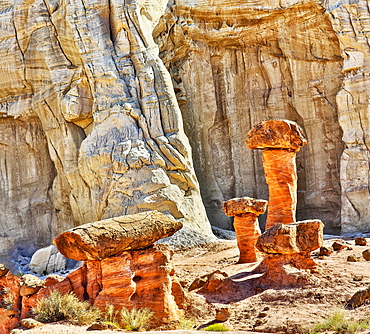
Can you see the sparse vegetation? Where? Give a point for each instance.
(110, 315)
(216, 328)
(338, 323)
(7, 299)
(186, 323)
(136, 319)
(65, 307)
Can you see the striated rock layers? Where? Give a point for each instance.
(90, 127)
(245, 211)
(280, 141)
(287, 248)
(236, 63)
(118, 270)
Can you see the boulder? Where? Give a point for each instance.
(47, 260)
(305, 236)
(110, 237)
(338, 245)
(366, 254)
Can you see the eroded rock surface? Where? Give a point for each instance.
(245, 211)
(90, 124)
(109, 237)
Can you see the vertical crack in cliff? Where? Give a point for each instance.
(56, 33)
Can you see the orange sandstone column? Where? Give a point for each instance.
(245, 211)
(280, 140)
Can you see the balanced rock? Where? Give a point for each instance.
(299, 237)
(245, 211)
(280, 140)
(109, 237)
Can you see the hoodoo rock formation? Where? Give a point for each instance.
(287, 248)
(118, 269)
(91, 127)
(280, 140)
(245, 211)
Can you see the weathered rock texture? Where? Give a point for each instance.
(235, 64)
(90, 125)
(136, 278)
(87, 134)
(280, 140)
(109, 237)
(287, 247)
(245, 211)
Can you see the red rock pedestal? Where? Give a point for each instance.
(287, 247)
(245, 212)
(281, 178)
(280, 140)
(133, 279)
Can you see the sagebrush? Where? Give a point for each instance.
(136, 319)
(65, 307)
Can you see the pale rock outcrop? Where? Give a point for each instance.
(47, 260)
(91, 112)
(280, 141)
(245, 211)
(283, 62)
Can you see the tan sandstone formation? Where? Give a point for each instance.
(280, 140)
(245, 211)
(90, 126)
(109, 237)
(287, 248)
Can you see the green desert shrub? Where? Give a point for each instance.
(216, 328)
(136, 319)
(338, 323)
(65, 307)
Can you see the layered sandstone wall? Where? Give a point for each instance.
(90, 124)
(91, 128)
(236, 63)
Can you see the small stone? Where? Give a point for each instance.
(222, 314)
(31, 323)
(359, 298)
(360, 241)
(3, 270)
(102, 326)
(366, 254)
(30, 284)
(352, 258)
(259, 290)
(258, 322)
(358, 278)
(266, 308)
(262, 314)
(326, 251)
(337, 246)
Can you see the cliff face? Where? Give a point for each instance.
(91, 128)
(235, 64)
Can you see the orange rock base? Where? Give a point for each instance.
(281, 177)
(247, 232)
